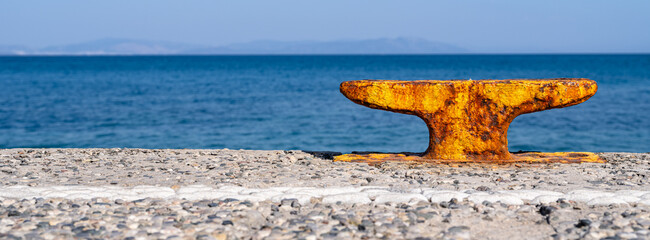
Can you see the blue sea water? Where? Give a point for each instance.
(293, 102)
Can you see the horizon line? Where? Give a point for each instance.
(322, 54)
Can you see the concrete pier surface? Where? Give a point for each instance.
(233, 194)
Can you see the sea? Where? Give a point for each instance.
(294, 103)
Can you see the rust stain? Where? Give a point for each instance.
(531, 157)
(468, 120)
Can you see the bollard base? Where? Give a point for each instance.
(518, 157)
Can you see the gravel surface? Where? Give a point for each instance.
(261, 169)
(230, 218)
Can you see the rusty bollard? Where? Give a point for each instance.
(468, 120)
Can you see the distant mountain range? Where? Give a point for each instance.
(142, 47)
(14, 50)
(374, 46)
(109, 46)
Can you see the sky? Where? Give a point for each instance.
(508, 26)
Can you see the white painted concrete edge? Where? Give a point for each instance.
(362, 195)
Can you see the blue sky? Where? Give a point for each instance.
(478, 25)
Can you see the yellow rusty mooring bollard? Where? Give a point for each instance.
(468, 120)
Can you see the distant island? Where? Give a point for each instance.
(114, 46)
